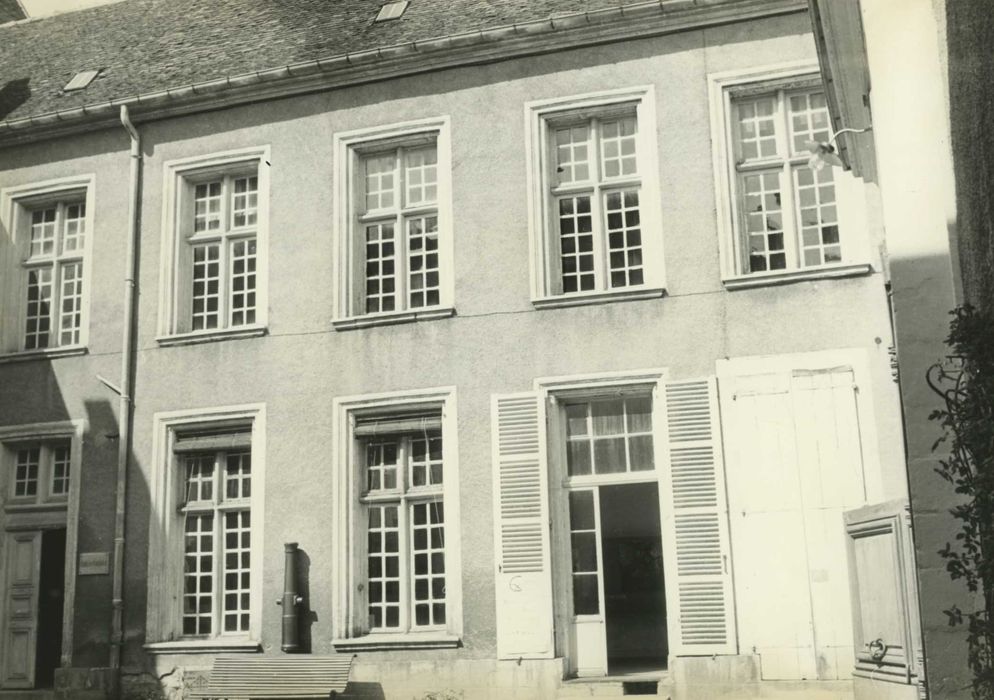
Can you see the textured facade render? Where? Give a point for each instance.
(789, 372)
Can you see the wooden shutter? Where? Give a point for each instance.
(521, 527)
(696, 523)
(23, 567)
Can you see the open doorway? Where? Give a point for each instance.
(634, 595)
(51, 596)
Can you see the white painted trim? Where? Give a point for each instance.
(391, 317)
(165, 559)
(601, 380)
(855, 249)
(195, 337)
(766, 279)
(540, 230)
(174, 172)
(344, 166)
(12, 306)
(203, 646)
(344, 622)
(74, 430)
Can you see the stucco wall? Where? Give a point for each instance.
(497, 342)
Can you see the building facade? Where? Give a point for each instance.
(538, 336)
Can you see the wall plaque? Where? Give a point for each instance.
(94, 563)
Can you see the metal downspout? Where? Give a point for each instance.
(125, 407)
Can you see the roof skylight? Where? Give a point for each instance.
(81, 80)
(392, 10)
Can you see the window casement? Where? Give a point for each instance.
(39, 471)
(782, 219)
(205, 553)
(595, 212)
(45, 287)
(400, 579)
(216, 223)
(394, 227)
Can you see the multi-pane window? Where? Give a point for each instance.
(217, 530)
(41, 471)
(611, 436)
(787, 213)
(53, 274)
(223, 221)
(404, 518)
(397, 229)
(595, 191)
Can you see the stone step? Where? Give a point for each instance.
(612, 688)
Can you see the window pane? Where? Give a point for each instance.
(422, 256)
(817, 216)
(238, 476)
(586, 599)
(618, 147)
(576, 241)
(245, 202)
(198, 575)
(381, 466)
(26, 471)
(74, 230)
(243, 267)
(609, 455)
(641, 453)
(573, 154)
(428, 571)
(808, 116)
(206, 286)
(608, 417)
(60, 470)
(71, 306)
(576, 419)
(584, 551)
(764, 221)
(200, 478)
(237, 571)
(382, 566)
(38, 319)
(581, 510)
(578, 457)
(380, 267)
(207, 207)
(42, 232)
(624, 235)
(380, 181)
(421, 176)
(757, 128)
(426, 460)
(638, 411)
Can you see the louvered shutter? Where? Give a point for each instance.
(521, 525)
(697, 523)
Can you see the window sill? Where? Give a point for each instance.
(387, 642)
(391, 317)
(584, 298)
(45, 354)
(204, 646)
(763, 279)
(195, 337)
(53, 504)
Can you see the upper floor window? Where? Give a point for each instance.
(40, 471)
(395, 232)
(217, 239)
(45, 293)
(596, 209)
(782, 217)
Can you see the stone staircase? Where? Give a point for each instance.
(614, 687)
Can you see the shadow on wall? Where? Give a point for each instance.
(306, 616)
(13, 94)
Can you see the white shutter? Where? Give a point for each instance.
(696, 515)
(521, 527)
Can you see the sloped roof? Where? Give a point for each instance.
(10, 10)
(146, 47)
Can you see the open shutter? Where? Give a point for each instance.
(521, 527)
(699, 560)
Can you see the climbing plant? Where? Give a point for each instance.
(965, 381)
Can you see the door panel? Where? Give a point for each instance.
(21, 609)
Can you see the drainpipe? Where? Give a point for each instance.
(125, 406)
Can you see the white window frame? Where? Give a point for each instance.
(179, 178)
(348, 148)
(348, 620)
(164, 624)
(856, 258)
(16, 205)
(55, 512)
(540, 118)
